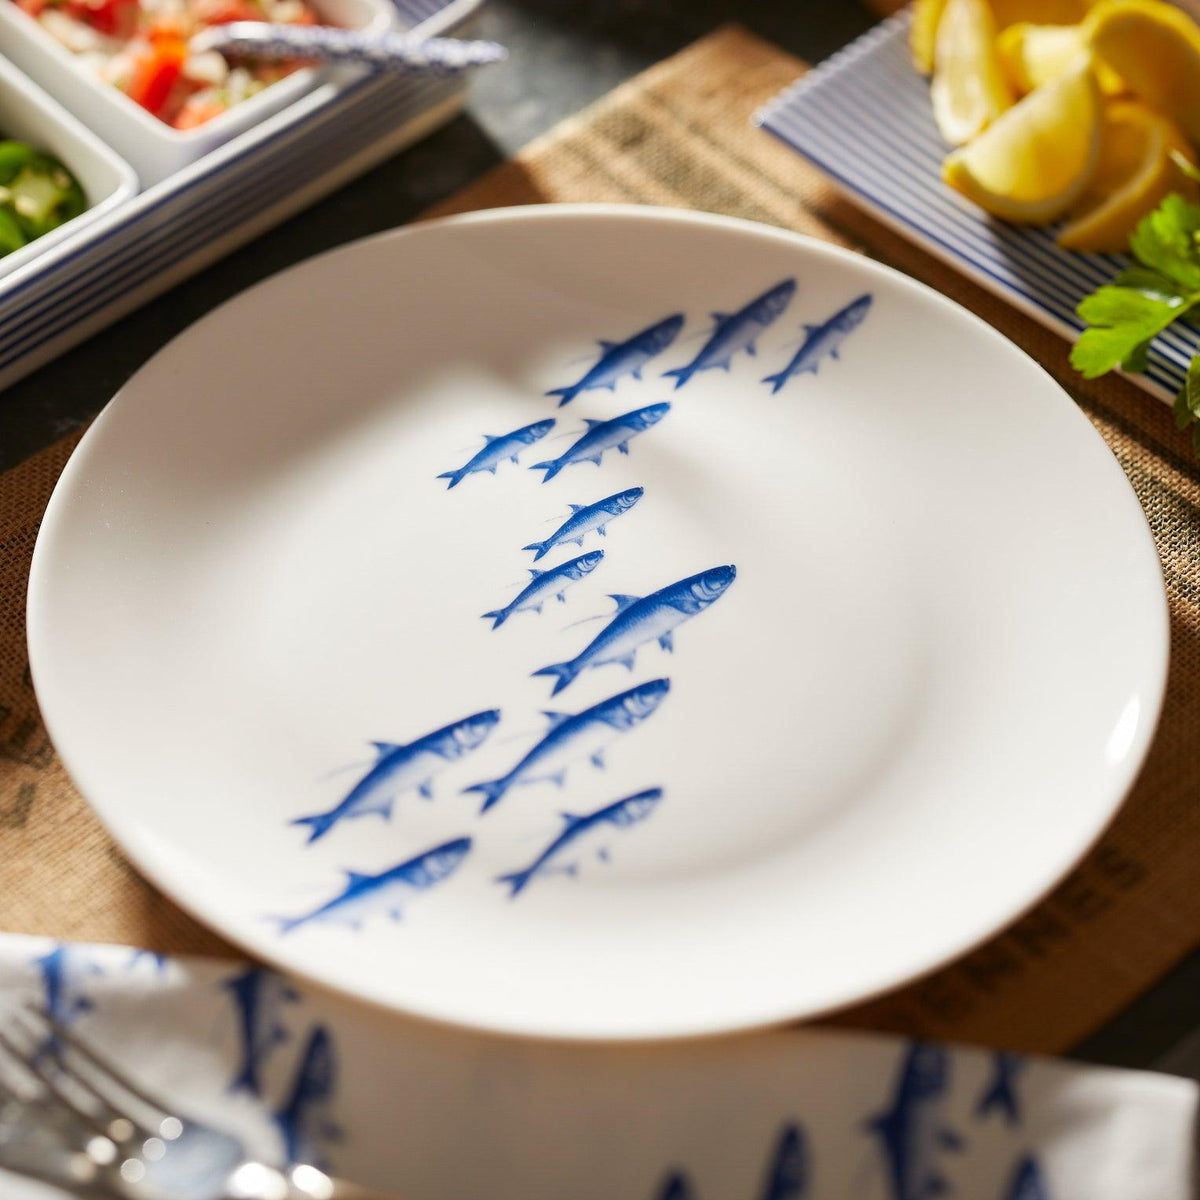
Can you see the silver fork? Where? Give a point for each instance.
(78, 1121)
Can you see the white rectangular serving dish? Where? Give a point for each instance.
(27, 114)
(154, 240)
(154, 148)
(864, 118)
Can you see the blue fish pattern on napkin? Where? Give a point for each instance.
(586, 518)
(401, 768)
(604, 435)
(621, 814)
(505, 447)
(789, 1171)
(734, 332)
(585, 735)
(258, 996)
(618, 359)
(641, 619)
(822, 341)
(303, 1119)
(64, 971)
(364, 896)
(1027, 1182)
(911, 1131)
(545, 584)
(1000, 1094)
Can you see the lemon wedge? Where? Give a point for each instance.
(922, 33)
(1134, 173)
(1040, 12)
(1035, 160)
(969, 90)
(1155, 48)
(1031, 55)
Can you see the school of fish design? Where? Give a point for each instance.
(642, 619)
(559, 855)
(575, 738)
(545, 584)
(259, 997)
(400, 768)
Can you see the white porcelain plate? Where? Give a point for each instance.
(888, 648)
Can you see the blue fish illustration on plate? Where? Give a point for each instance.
(545, 584)
(303, 1119)
(822, 341)
(736, 331)
(1001, 1091)
(572, 738)
(1027, 1182)
(402, 768)
(498, 449)
(622, 814)
(365, 896)
(258, 996)
(584, 519)
(911, 1132)
(623, 358)
(644, 619)
(604, 435)
(788, 1172)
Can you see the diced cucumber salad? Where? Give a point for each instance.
(37, 194)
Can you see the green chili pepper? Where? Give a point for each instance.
(37, 194)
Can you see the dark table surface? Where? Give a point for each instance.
(563, 55)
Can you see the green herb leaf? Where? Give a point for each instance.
(1166, 241)
(1186, 165)
(1123, 321)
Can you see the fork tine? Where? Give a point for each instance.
(122, 1125)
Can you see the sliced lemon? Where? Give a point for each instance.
(969, 90)
(1031, 55)
(1034, 162)
(1155, 48)
(922, 33)
(1134, 173)
(1039, 12)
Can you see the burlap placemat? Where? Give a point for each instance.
(679, 135)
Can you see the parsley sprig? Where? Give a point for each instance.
(1124, 317)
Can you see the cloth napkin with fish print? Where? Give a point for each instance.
(438, 1114)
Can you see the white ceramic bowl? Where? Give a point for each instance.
(29, 115)
(153, 147)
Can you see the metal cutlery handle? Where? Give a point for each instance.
(401, 52)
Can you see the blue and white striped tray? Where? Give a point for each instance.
(864, 118)
(200, 214)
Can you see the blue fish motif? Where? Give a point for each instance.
(506, 446)
(136, 956)
(258, 996)
(64, 970)
(584, 519)
(644, 619)
(1001, 1091)
(303, 1120)
(364, 896)
(1027, 1182)
(545, 584)
(619, 815)
(623, 358)
(571, 738)
(788, 1174)
(911, 1131)
(402, 768)
(676, 1187)
(604, 435)
(736, 331)
(822, 341)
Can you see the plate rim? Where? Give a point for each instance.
(139, 853)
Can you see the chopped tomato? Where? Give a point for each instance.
(105, 16)
(197, 111)
(155, 74)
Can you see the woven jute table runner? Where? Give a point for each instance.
(680, 135)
